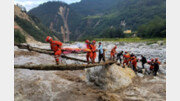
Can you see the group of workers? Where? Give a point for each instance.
(124, 58)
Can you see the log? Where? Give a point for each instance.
(63, 66)
(46, 51)
(21, 46)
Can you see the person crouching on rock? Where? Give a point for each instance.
(88, 53)
(93, 51)
(156, 66)
(56, 47)
(101, 52)
(113, 52)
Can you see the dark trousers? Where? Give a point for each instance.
(101, 56)
(143, 65)
(119, 58)
(155, 71)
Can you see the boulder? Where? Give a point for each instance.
(112, 78)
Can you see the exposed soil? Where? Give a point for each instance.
(36, 85)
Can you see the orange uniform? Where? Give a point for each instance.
(93, 53)
(113, 52)
(159, 62)
(56, 47)
(88, 53)
(126, 59)
(151, 65)
(134, 63)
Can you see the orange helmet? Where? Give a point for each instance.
(94, 41)
(87, 41)
(48, 39)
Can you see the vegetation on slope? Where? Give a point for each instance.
(18, 37)
(93, 18)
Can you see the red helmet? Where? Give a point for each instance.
(87, 41)
(125, 51)
(152, 59)
(115, 47)
(94, 41)
(48, 39)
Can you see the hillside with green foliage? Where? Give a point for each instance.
(31, 25)
(97, 18)
(18, 37)
(38, 32)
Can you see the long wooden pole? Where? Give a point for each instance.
(46, 51)
(63, 66)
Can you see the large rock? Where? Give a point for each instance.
(111, 78)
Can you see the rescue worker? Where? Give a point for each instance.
(156, 59)
(101, 52)
(93, 51)
(113, 52)
(151, 65)
(131, 57)
(126, 57)
(134, 63)
(56, 47)
(88, 46)
(156, 66)
(143, 60)
(119, 56)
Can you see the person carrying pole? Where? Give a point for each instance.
(93, 51)
(56, 47)
(88, 46)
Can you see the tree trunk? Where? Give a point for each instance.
(63, 66)
(46, 51)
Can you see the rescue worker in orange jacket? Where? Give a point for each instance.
(56, 47)
(152, 64)
(93, 51)
(134, 63)
(156, 60)
(113, 52)
(88, 53)
(126, 57)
